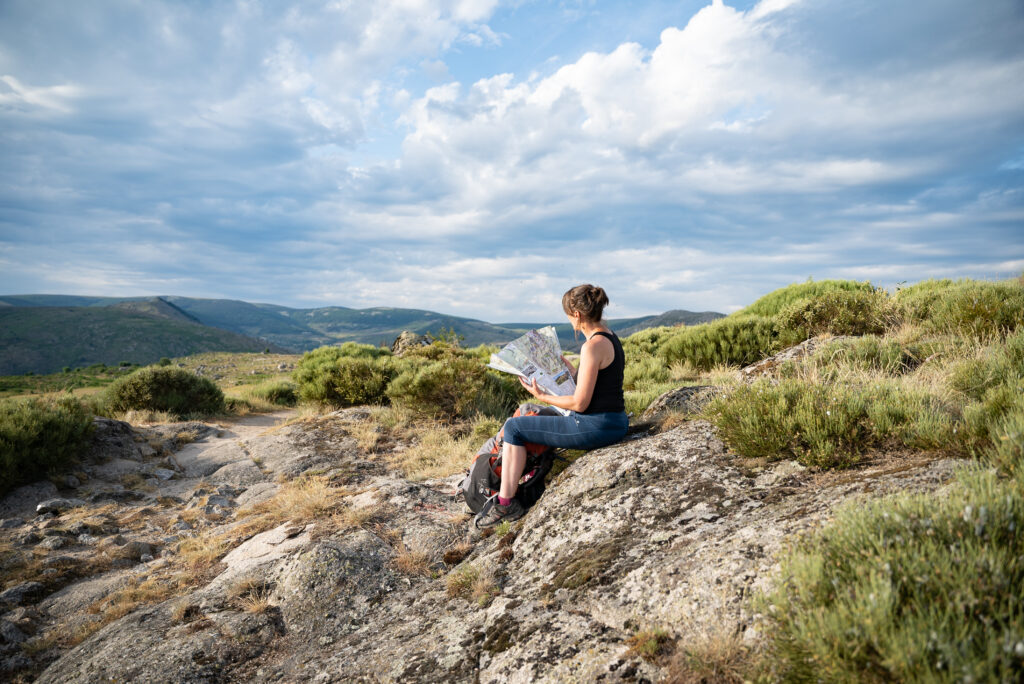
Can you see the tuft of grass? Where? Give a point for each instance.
(455, 554)
(711, 658)
(650, 644)
(459, 584)
(251, 594)
(413, 563)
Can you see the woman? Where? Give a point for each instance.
(597, 409)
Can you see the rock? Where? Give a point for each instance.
(23, 500)
(257, 493)
(766, 367)
(133, 551)
(10, 523)
(685, 399)
(71, 481)
(181, 526)
(51, 543)
(120, 495)
(10, 634)
(200, 460)
(240, 474)
(57, 506)
(163, 474)
(87, 539)
(408, 340)
(779, 473)
(112, 439)
(22, 593)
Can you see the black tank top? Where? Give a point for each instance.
(607, 397)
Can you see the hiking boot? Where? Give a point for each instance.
(493, 512)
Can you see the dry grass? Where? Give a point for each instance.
(413, 563)
(459, 584)
(484, 588)
(301, 500)
(712, 658)
(202, 552)
(251, 594)
(436, 453)
(368, 435)
(185, 611)
(145, 417)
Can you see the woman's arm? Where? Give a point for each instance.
(572, 368)
(586, 378)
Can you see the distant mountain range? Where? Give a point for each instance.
(43, 333)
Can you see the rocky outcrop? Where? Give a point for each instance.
(668, 531)
(767, 366)
(407, 340)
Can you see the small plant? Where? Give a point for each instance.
(460, 583)
(733, 340)
(455, 554)
(347, 380)
(650, 644)
(446, 388)
(502, 528)
(839, 312)
(413, 562)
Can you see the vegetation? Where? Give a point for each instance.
(165, 389)
(38, 437)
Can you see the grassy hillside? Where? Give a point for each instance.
(47, 339)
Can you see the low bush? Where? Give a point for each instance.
(278, 392)
(730, 341)
(445, 388)
(648, 342)
(777, 300)
(910, 588)
(830, 425)
(345, 380)
(839, 312)
(868, 354)
(966, 307)
(174, 390)
(644, 371)
(38, 437)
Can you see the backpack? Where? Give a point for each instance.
(483, 479)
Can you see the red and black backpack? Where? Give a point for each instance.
(483, 479)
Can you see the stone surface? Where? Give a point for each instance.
(663, 530)
(113, 439)
(21, 593)
(22, 501)
(687, 399)
(239, 474)
(407, 340)
(57, 506)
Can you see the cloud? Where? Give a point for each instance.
(429, 154)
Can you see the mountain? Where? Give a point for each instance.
(43, 339)
(304, 329)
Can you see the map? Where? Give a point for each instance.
(537, 354)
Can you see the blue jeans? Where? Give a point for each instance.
(574, 431)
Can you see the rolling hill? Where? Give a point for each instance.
(140, 328)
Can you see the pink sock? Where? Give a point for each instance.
(503, 501)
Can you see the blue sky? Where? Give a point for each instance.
(478, 157)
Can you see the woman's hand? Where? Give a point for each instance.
(532, 387)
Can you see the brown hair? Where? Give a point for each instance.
(587, 300)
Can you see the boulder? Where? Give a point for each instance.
(686, 399)
(239, 474)
(408, 340)
(57, 506)
(22, 501)
(766, 367)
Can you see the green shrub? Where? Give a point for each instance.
(643, 371)
(777, 300)
(648, 342)
(174, 390)
(1008, 445)
(500, 395)
(863, 354)
(345, 380)
(966, 307)
(38, 437)
(280, 392)
(445, 388)
(164, 361)
(910, 588)
(733, 340)
(1000, 364)
(830, 425)
(839, 312)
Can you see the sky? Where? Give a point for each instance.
(480, 157)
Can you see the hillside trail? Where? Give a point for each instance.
(224, 444)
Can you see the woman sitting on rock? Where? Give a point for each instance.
(597, 411)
